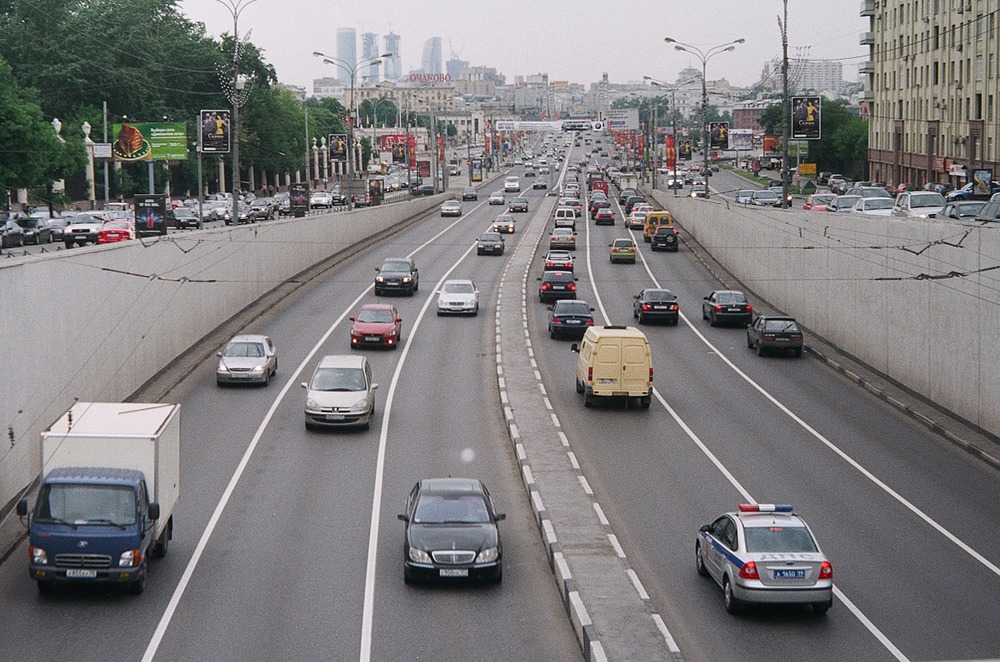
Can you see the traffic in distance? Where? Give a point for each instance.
(763, 560)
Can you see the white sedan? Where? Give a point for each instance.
(497, 198)
(451, 208)
(458, 297)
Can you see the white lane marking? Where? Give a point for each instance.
(175, 598)
(367, 616)
(637, 584)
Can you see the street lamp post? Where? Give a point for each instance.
(704, 56)
(352, 71)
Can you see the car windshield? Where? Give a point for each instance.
(761, 539)
(395, 265)
(969, 209)
(878, 203)
(822, 199)
(338, 379)
(87, 504)
(763, 195)
(730, 297)
(926, 200)
(374, 315)
(244, 350)
(84, 218)
(448, 509)
(571, 308)
(659, 295)
(490, 236)
(458, 288)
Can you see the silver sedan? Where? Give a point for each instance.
(249, 359)
(764, 554)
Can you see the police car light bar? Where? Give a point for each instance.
(765, 508)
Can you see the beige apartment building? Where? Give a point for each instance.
(933, 89)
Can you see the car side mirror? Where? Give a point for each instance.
(574, 348)
(500, 516)
(576, 280)
(539, 278)
(403, 517)
(399, 319)
(375, 386)
(304, 385)
(153, 511)
(634, 296)
(705, 528)
(22, 508)
(352, 319)
(377, 269)
(219, 354)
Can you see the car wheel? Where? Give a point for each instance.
(733, 606)
(749, 342)
(797, 352)
(588, 398)
(44, 587)
(699, 562)
(497, 577)
(139, 585)
(409, 577)
(267, 378)
(711, 320)
(642, 318)
(635, 313)
(378, 292)
(69, 245)
(579, 386)
(760, 350)
(50, 240)
(310, 426)
(820, 608)
(645, 401)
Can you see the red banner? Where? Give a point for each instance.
(670, 152)
(413, 151)
(441, 151)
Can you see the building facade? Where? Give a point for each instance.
(932, 90)
(369, 51)
(393, 66)
(432, 60)
(347, 47)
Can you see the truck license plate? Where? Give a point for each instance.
(78, 573)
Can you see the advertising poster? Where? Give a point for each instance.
(805, 118)
(338, 146)
(983, 180)
(399, 153)
(423, 168)
(718, 136)
(476, 168)
(685, 150)
(741, 139)
(158, 141)
(375, 191)
(298, 198)
(412, 149)
(214, 136)
(150, 214)
(772, 145)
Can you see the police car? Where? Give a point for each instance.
(764, 554)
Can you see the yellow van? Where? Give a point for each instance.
(614, 361)
(655, 219)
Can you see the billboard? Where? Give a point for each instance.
(805, 118)
(669, 153)
(685, 150)
(338, 146)
(772, 145)
(150, 214)
(387, 142)
(622, 118)
(476, 170)
(718, 135)
(423, 168)
(298, 198)
(741, 139)
(214, 134)
(982, 181)
(156, 141)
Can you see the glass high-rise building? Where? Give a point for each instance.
(392, 66)
(432, 61)
(347, 52)
(369, 51)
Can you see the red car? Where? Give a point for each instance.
(603, 216)
(818, 201)
(376, 324)
(114, 231)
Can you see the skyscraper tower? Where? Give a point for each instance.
(347, 51)
(369, 51)
(432, 61)
(393, 66)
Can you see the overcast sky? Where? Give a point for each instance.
(574, 40)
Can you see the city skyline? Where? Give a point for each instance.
(568, 51)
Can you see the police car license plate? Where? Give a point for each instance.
(789, 574)
(78, 573)
(454, 572)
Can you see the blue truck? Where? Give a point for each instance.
(105, 504)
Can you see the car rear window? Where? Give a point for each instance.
(663, 295)
(572, 308)
(780, 325)
(779, 539)
(559, 277)
(731, 298)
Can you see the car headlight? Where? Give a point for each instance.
(129, 559)
(38, 556)
(311, 404)
(222, 367)
(418, 555)
(488, 555)
(360, 404)
(258, 369)
(379, 279)
(406, 279)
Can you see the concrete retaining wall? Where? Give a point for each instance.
(96, 323)
(918, 300)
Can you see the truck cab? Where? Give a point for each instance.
(92, 524)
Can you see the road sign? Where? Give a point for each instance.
(620, 119)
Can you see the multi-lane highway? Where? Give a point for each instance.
(287, 544)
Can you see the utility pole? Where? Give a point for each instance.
(785, 112)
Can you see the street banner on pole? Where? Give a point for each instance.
(806, 124)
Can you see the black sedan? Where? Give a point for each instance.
(11, 234)
(656, 305)
(36, 230)
(556, 285)
(470, 194)
(570, 317)
(397, 274)
(491, 243)
(770, 332)
(451, 532)
(518, 205)
(725, 307)
(540, 184)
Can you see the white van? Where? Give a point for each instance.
(512, 184)
(614, 361)
(565, 217)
